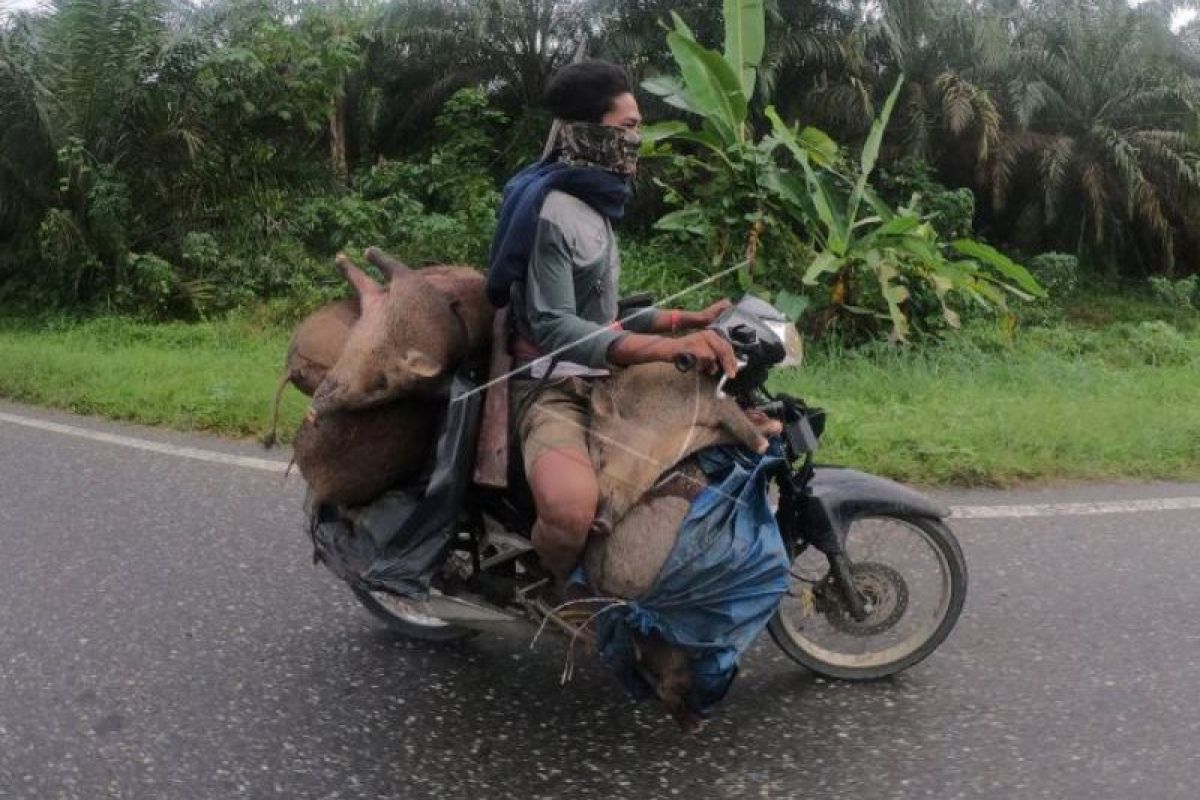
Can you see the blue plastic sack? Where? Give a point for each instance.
(719, 587)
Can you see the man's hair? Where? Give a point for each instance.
(584, 92)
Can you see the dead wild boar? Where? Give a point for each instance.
(314, 349)
(650, 417)
(627, 563)
(467, 290)
(408, 335)
(318, 340)
(351, 457)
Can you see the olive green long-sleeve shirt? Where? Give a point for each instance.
(569, 297)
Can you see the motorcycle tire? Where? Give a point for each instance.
(942, 541)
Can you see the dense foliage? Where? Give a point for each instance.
(171, 159)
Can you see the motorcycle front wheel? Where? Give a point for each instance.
(912, 574)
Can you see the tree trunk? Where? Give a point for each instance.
(337, 137)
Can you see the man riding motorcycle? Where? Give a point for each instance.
(555, 261)
(698, 560)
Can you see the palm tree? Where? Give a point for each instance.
(26, 152)
(92, 115)
(1102, 153)
(827, 64)
(425, 50)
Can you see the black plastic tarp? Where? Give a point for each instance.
(399, 541)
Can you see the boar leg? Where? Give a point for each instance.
(734, 420)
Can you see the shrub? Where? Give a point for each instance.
(1179, 295)
(200, 252)
(665, 266)
(1156, 343)
(149, 287)
(329, 224)
(910, 182)
(1058, 273)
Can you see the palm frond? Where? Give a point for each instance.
(958, 108)
(1002, 166)
(1149, 207)
(990, 124)
(1055, 161)
(1120, 153)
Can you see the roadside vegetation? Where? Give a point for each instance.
(981, 217)
(1111, 392)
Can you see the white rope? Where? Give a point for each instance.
(569, 664)
(577, 630)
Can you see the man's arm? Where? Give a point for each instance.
(673, 320)
(712, 353)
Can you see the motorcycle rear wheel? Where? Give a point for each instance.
(821, 636)
(404, 618)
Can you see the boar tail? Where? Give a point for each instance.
(272, 438)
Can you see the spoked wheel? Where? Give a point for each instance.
(407, 617)
(913, 577)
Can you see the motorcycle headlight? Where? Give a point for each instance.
(793, 345)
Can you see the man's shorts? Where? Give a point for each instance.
(550, 415)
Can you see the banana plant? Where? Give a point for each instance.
(894, 250)
(864, 258)
(738, 180)
(716, 87)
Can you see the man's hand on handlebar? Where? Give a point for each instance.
(705, 349)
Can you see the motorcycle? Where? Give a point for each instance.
(877, 578)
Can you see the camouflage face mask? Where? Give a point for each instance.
(585, 144)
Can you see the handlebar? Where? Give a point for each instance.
(684, 362)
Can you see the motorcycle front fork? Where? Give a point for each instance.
(843, 578)
(840, 567)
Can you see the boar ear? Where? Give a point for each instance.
(421, 365)
(391, 267)
(363, 283)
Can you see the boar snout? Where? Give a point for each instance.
(669, 673)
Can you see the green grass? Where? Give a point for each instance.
(216, 377)
(1056, 405)
(1070, 402)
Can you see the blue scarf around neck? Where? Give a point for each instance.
(524, 194)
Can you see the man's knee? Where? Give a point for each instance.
(565, 492)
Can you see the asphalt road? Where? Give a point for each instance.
(163, 634)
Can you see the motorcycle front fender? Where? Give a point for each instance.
(836, 496)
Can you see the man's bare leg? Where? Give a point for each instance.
(565, 491)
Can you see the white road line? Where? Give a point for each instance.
(1076, 509)
(264, 464)
(958, 512)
